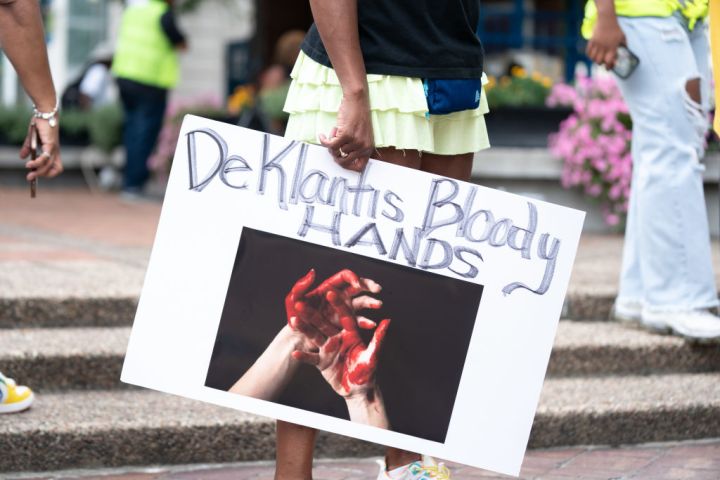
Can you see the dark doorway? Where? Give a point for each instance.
(275, 17)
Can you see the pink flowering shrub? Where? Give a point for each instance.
(594, 143)
(205, 106)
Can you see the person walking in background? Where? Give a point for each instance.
(359, 88)
(23, 41)
(667, 281)
(146, 68)
(94, 87)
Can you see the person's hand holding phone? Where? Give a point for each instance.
(48, 162)
(607, 38)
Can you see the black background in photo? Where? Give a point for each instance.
(421, 360)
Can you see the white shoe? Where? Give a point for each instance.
(425, 469)
(109, 179)
(626, 311)
(693, 324)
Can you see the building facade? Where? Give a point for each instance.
(539, 34)
(76, 28)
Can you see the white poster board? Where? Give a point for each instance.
(473, 282)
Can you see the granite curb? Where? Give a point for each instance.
(110, 311)
(51, 359)
(91, 429)
(67, 312)
(697, 460)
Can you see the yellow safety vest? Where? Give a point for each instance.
(144, 53)
(693, 10)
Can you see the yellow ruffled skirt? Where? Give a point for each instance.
(398, 107)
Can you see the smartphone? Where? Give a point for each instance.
(626, 62)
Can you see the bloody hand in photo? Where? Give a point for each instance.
(327, 318)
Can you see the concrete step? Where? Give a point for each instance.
(627, 409)
(65, 358)
(91, 358)
(109, 310)
(610, 348)
(100, 428)
(119, 310)
(85, 311)
(536, 173)
(106, 429)
(86, 282)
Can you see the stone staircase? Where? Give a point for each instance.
(72, 265)
(607, 384)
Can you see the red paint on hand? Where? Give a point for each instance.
(326, 317)
(360, 362)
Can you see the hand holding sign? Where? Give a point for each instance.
(351, 142)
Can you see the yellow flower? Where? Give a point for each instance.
(546, 82)
(504, 81)
(536, 76)
(242, 97)
(518, 71)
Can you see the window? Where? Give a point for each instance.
(87, 28)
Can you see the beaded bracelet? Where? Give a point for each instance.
(51, 117)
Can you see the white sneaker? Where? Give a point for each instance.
(425, 469)
(693, 324)
(627, 311)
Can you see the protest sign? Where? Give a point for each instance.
(391, 305)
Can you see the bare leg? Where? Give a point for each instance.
(295, 443)
(405, 158)
(693, 88)
(294, 451)
(454, 166)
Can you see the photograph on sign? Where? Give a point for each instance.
(377, 343)
(390, 305)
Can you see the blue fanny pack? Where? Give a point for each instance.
(454, 95)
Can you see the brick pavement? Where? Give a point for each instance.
(672, 461)
(98, 217)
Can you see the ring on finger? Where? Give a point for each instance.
(342, 154)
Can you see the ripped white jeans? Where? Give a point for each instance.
(667, 262)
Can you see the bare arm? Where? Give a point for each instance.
(271, 372)
(337, 22)
(23, 41)
(607, 36)
(368, 408)
(351, 143)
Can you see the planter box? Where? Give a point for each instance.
(75, 139)
(523, 126)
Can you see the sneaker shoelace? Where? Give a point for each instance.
(436, 472)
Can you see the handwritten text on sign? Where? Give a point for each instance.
(446, 208)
